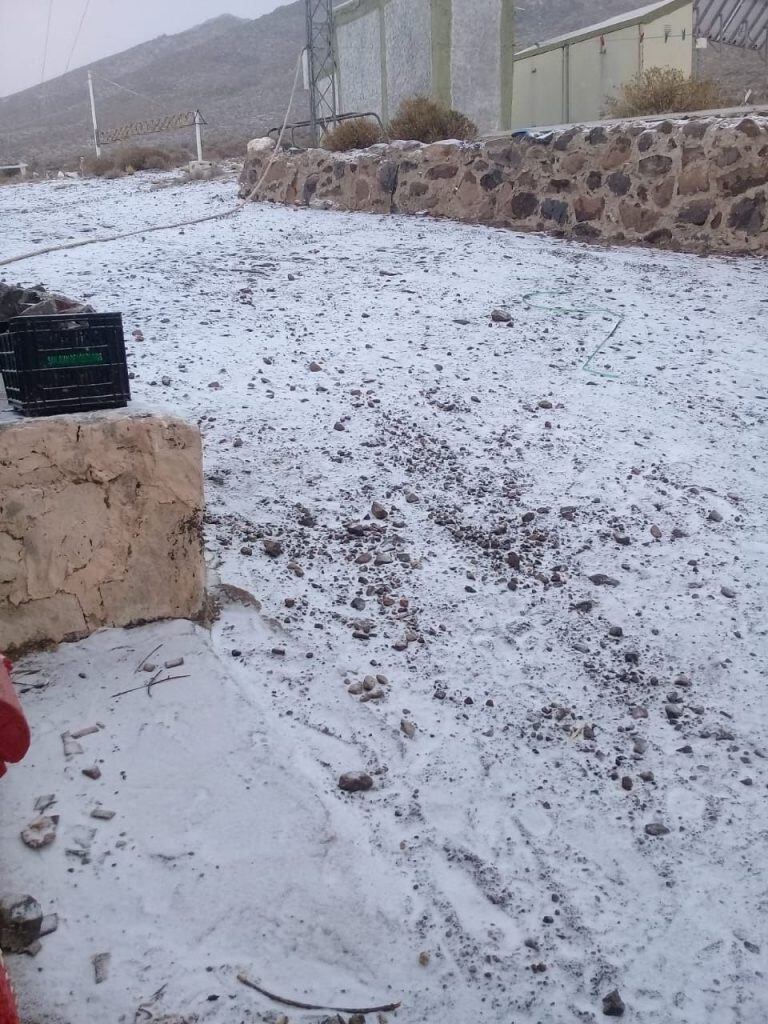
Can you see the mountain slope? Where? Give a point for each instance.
(238, 72)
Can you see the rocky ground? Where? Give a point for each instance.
(501, 503)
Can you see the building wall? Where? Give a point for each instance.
(572, 82)
(459, 51)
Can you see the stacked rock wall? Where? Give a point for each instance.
(698, 185)
(100, 524)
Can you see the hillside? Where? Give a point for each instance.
(239, 73)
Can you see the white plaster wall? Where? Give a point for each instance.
(476, 60)
(359, 55)
(408, 36)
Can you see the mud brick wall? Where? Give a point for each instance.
(100, 524)
(698, 185)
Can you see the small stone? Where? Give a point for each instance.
(378, 511)
(626, 783)
(358, 604)
(613, 1004)
(369, 683)
(338, 425)
(640, 746)
(601, 580)
(408, 728)
(647, 776)
(376, 694)
(272, 547)
(21, 919)
(673, 710)
(727, 592)
(656, 533)
(637, 711)
(355, 689)
(714, 516)
(355, 782)
(40, 833)
(616, 631)
(501, 316)
(655, 828)
(101, 967)
(383, 558)
(102, 814)
(246, 550)
(412, 499)
(49, 925)
(382, 679)
(71, 746)
(685, 749)
(315, 367)
(513, 560)
(424, 959)
(173, 663)
(545, 404)
(92, 773)
(622, 539)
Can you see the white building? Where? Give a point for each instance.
(459, 51)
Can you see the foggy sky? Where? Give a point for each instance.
(110, 26)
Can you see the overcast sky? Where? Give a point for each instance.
(109, 26)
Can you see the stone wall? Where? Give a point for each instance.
(100, 524)
(698, 185)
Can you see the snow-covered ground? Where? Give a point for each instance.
(510, 831)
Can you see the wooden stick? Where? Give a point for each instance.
(148, 686)
(389, 1008)
(145, 659)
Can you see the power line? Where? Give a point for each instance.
(77, 35)
(47, 37)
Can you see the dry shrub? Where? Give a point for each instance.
(426, 120)
(357, 133)
(664, 91)
(129, 159)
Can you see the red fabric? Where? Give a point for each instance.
(14, 731)
(8, 1012)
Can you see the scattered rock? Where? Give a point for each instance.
(101, 967)
(92, 773)
(338, 425)
(378, 511)
(315, 367)
(355, 782)
(714, 516)
(626, 783)
(102, 814)
(727, 592)
(601, 580)
(40, 833)
(655, 828)
(424, 959)
(656, 533)
(501, 316)
(408, 728)
(272, 547)
(613, 1004)
(616, 631)
(21, 920)
(71, 746)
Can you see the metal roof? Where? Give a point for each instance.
(737, 22)
(636, 17)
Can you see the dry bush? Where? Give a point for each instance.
(425, 120)
(128, 159)
(357, 133)
(664, 91)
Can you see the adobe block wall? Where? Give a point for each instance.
(698, 185)
(100, 524)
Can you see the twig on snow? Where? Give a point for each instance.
(154, 681)
(389, 1008)
(146, 658)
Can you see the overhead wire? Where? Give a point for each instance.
(77, 35)
(47, 39)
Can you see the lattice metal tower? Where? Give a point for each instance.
(321, 65)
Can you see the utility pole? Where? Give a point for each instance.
(321, 65)
(93, 115)
(199, 135)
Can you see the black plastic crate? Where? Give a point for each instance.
(64, 363)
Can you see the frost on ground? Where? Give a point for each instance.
(548, 537)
